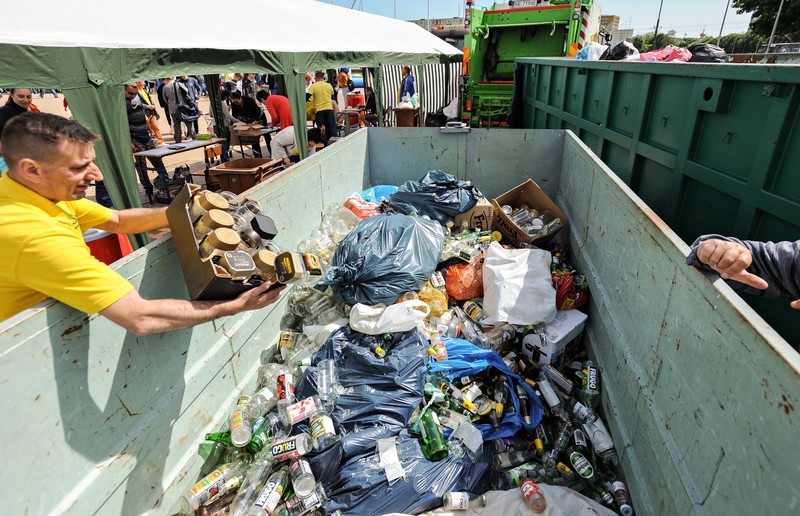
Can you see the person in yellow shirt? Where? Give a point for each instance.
(45, 212)
(321, 97)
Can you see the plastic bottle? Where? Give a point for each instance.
(622, 497)
(240, 423)
(461, 501)
(323, 433)
(257, 473)
(222, 479)
(533, 496)
(270, 496)
(291, 447)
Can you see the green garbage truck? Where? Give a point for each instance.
(496, 36)
(701, 394)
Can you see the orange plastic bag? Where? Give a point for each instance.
(465, 280)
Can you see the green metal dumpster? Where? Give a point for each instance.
(712, 148)
(700, 393)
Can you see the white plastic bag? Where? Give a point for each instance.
(378, 319)
(517, 286)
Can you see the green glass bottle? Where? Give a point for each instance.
(220, 437)
(434, 447)
(260, 437)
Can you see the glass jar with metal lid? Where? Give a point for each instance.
(204, 202)
(214, 219)
(238, 264)
(249, 209)
(233, 200)
(265, 263)
(219, 241)
(251, 241)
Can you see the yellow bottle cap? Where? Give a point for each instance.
(469, 405)
(497, 236)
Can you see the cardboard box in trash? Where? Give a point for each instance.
(202, 280)
(562, 330)
(530, 194)
(479, 217)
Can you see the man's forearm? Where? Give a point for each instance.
(137, 220)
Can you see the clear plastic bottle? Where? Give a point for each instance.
(240, 423)
(533, 496)
(270, 496)
(216, 481)
(257, 474)
(303, 480)
(461, 501)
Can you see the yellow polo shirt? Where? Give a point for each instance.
(321, 93)
(43, 253)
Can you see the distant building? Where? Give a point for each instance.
(609, 22)
(620, 35)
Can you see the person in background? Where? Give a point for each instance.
(770, 269)
(321, 96)
(19, 101)
(407, 84)
(176, 93)
(227, 121)
(284, 148)
(278, 107)
(152, 114)
(194, 94)
(249, 85)
(245, 109)
(45, 212)
(309, 79)
(162, 101)
(343, 83)
(370, 114)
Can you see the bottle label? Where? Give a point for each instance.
(581, 465)
(287, 340)
(237, 420)
(579, 437)
(529, 489)
(266, 393)
(591, 379)
(473, 310)
(207, 482)
(472, 392)
(459, 501)
(617, 485)
(270, 496)
(301, 410)
(286, 449)
(285, 386)
(303, 505)
(582, 412)
(321, 426)
(437, 280)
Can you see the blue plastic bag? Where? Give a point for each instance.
(384, 257)
(464, 359)
(438, 195)
(378, 193)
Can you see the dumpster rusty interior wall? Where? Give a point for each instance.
(700, 393)
(712, 148)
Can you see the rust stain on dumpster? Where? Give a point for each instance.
(73, 329)
(787, 407)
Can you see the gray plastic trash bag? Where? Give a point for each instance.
(384, 257)
(438, 195)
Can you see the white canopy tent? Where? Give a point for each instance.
(89, 49)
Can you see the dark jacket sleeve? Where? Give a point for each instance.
(776, 262)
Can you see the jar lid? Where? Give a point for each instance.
(225, 239)
(250, 238)
(265, 260)
(213, 201)
(218, 219)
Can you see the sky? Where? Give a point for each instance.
(688, 17)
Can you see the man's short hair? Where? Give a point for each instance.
(236, 94)
(37, 136)
(407, 69)
(369, 88)
(224, 95)
(261, 95)
(319, 74)
(314, 135)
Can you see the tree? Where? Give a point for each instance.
(764, 12)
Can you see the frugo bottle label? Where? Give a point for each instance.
(270, 496)
(286, 449)
(207, 482)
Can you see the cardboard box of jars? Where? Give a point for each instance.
(517, 227)
(223, 242)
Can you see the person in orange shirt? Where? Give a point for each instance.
(278, 107)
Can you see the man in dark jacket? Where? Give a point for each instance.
(19, 101)
(246, 109)
(763, 268)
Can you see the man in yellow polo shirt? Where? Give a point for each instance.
(44, 214)
(321, 95)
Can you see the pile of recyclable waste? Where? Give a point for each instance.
(432, 364)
